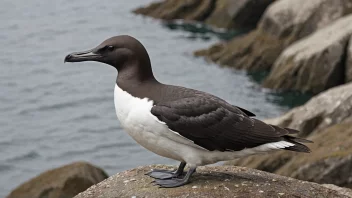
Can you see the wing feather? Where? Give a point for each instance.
(216, 125)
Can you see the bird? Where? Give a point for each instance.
(190, 126)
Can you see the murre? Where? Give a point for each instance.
(190, 126)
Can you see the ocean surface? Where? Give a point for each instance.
(53, 113)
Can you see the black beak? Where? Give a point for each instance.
(90, 55)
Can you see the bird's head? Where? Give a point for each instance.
(122, 52)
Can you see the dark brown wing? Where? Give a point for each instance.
(216, 126)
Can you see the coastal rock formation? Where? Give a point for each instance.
(315, 63)
(218, 181)
(326, 119)
(63, 182)
(329, 162)
(283, 23)
(349, 62)
(196, 10)
(219, 13)
(323, 110)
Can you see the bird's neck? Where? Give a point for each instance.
(133, 77)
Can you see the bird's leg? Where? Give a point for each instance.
(167, 174)
(175, 182)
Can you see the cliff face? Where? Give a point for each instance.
(215, 181)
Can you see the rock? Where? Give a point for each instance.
(219, 13)
(214, 181)
(349, 61)
(344, 191)
(330, 161)
(315, 63)
(325, 119)
(182, 9)
(323, 110)
(283, 23)
(237, 14)
(63, 182)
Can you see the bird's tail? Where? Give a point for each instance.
(298, 146)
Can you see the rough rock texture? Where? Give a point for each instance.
(62, 182)
(283, 23)
(315, 63)
(237, 14)
(329, 162)
(331, 157)
(325, 109)
(218, 13)
(349, 61)
(344, 191)
(221, 181)
(183, 9)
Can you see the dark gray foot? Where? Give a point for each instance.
(162, 174)
(171, 183)
(167, 174)
(175, 182)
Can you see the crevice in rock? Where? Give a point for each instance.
(338, 75)
(309, 125)
(210, 10)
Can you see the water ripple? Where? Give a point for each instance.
(5, 167)
(26, 156)
(64, 105)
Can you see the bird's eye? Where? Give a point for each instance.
(110, 47)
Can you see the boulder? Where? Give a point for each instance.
(315, 63)
(214, 181)
(349, 61)
(218, 13)
(191, 10)
(237, 14)
(326, 119)
(330, 161)
(63, 182)
(323, 110)
(283, 23)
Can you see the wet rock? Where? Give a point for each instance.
(219, 13)
(63, 182)
(283, 23)
(218, 181)
(315, 63)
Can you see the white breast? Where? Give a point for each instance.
(135, 117)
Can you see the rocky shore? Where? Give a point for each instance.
(305, 44)
(306, 47)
